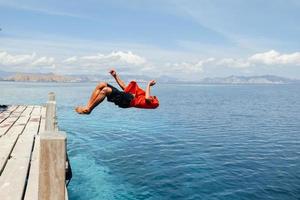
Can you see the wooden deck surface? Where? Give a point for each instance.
(19, 126)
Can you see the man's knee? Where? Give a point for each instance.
(101, 85)
(106, 90)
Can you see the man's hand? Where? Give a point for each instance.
(147, 96)
(117, 78)
(113, 72)
(152, 82)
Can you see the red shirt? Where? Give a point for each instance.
(139, 100)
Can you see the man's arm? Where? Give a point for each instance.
(147, 96)
(117, 78)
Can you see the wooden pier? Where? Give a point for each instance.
(32, 153)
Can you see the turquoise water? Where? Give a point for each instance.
(204, 142)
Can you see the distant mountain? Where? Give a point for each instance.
(51, 77)
(30, 77)
(266, 79)
(167, 79)
(4, 74)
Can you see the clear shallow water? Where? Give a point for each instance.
(204, 142)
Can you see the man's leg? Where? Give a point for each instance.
(96, 92)
(99, 98)
(98, 95)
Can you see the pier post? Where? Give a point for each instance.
(52, 167)
(52, 157)
(51, 120)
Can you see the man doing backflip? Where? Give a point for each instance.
(131, 96)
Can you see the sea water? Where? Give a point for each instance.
(203, 142)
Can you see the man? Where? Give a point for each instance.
(131, 96)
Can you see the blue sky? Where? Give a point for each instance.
(188, 39)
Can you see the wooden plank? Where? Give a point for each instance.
(33, 176)
(9, 122)
(52, 166)
(7, 113)
(10, 119)
(8, 141)
(13, 178)
(43, 120)
(18, 111)
(28, 112)
(23, 174)
(36, 111)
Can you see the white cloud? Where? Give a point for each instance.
(90, 63)
(273, 57)
(115, 57)
(234, 63)
(269, 58)
(125, 61)
(9, 59)
(127, 57)
(185, 70)
(43, 61)
(190, 67)
(24, 60)
(129, 63)
(70, 60)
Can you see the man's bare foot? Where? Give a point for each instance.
(82, 110)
